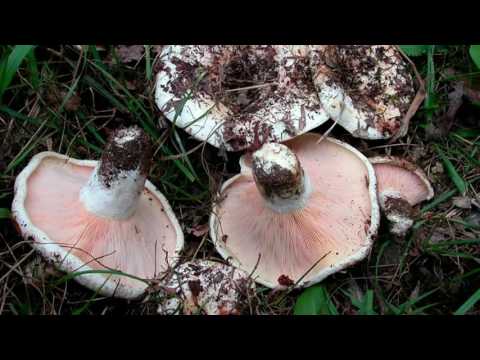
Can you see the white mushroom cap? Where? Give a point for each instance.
(285, 103)
(331, 225)
(401, 186)
(97, 216)
(367, 89)
(208, 287)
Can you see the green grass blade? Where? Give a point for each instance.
(421, 310)
(95, 148)
(475, 54)
(148, 62)
(455, 242)
(468, 274)
(430, 103)
(470, 303)
(4, 213)
(364, 305)
(315, 301)
(179, 142)
(12, 64)
(454, 254)
(70, 92)
(15, 162)
(33, 70)
(438, 200)
(96, 56)
(452, 172)
(414, 50)
(3, 68)
(102, 91)
(408, 304)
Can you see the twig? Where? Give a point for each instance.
(334, 123)
(301, 278)
(252, 87)
(417, 101)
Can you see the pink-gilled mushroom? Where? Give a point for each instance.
(366, 89)
(401, 186)
(298, 212)
(237, 96)
(205, 287)
(99, 217)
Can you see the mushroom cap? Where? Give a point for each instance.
(239, 119)
(203, 286)
(367, 89)
(395, 175)
(48, 212)
(337, 225)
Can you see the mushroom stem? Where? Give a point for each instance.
(118, 179)
(398, 211)
(280, 178)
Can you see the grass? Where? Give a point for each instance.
(62, 100)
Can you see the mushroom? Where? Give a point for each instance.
(99, 217)
(239, 97)
(208, 287)
(298, 212)
(367, 89)
(401, 186)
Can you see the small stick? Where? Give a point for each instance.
(252, 87)
(417, 101)
(334, 124)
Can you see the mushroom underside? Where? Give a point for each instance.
(391, 178)
(334, 229)
(401, 186)
(60, 225)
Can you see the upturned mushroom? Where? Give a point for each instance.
(298, 212)
(99, 219)
(366, 89)
(401, 186)
(239, 97)
(205, 287)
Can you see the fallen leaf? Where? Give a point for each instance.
(438, 168)
(415, 292)
(472, 95)
(157, 49)
(438, 236)
(131, 85)
(455, 100)
(462, 202)
(474, 219)
(433, 132)
(97, 47)
(199, 230)
(127, 54)
(73, 103)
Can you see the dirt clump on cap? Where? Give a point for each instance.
(362, 71)
(248, 80)
(127, 149)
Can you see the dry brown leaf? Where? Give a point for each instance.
(129, 53)
(462, 202)
(73, 103)
(199, 230)
(455, 100)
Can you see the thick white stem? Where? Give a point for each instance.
(119, 201)
(118, 180)
(280, 178)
